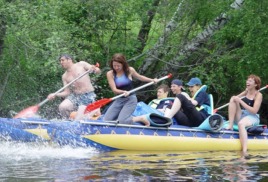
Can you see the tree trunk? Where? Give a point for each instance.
(146, 26)
(154, 54)
(2, 34)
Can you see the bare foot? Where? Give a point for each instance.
(145, 122)
(228, 127)
(244, 155)
(141, 119)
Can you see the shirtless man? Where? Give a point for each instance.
(81, 92)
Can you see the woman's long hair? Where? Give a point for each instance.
(120, 58)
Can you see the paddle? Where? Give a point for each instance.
(223, 106)
(30, 111)
(102, 102)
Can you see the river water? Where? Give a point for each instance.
(39, 162)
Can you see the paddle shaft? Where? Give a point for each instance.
(223, 106)
(102, 102)
(67, 85)
(141, 87)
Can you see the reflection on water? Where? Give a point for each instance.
(28, 162)
(183, 166)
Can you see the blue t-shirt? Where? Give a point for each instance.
(202, 98)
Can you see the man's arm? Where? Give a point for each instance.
(64, 93)
(88, 66)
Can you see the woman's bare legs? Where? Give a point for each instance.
(243, 136)
(234, 112)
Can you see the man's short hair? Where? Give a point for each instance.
(67, 56)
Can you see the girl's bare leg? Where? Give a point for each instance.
(231, 113)
(243, 135)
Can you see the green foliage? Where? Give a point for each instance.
(242, 43)
(35, 33)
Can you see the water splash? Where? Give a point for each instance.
(24, 151)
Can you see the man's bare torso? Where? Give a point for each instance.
(82, 85)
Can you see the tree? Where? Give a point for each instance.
(217, 42)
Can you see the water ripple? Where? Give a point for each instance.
(48, 162)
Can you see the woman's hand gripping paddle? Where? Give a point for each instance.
(30, 111)
(225, 105)
(102, 102)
